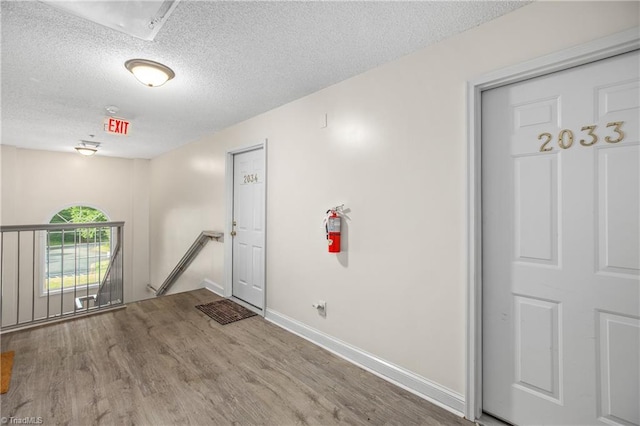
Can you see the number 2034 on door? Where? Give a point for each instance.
(565, 137)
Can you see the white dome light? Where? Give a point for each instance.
(87, 148)
(149, 73)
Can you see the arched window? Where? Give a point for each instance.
(76, 257)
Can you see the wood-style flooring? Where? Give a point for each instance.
(163, 362)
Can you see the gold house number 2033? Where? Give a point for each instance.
(565, 137)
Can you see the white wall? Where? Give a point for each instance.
(394, 152)
(186, 198)
(37, 184)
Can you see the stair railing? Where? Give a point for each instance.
(44, 280)
(110, 290)
(189, 256)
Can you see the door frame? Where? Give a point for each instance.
(616, 44)
(228, 242)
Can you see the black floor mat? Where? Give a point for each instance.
(225, 311)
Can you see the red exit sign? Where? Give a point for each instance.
(116, 126)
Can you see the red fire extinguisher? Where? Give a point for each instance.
(332, 225)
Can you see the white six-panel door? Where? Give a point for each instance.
(561, 247)
(249, 227)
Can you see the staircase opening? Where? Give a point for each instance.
(68, 267)
(76, 258)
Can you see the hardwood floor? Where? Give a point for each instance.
(163, 362)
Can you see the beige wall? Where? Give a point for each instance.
(37, 184)
(394, 152)
(186, 198)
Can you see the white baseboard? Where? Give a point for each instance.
(424, 388)
(213, 287)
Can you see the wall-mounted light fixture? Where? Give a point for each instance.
(149, 73)
(87, 148)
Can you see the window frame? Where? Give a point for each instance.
(41, 257)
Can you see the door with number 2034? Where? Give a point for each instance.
(561, 247)
(249, 227)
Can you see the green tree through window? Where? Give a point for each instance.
(80, 257)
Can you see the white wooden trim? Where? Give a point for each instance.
(213, 287)
(228, 242)
(266, 217)
(606, 47)
(424, 388)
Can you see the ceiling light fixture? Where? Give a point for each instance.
(149, 73)
(87, 148)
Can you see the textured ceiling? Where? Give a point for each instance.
(233, 60)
